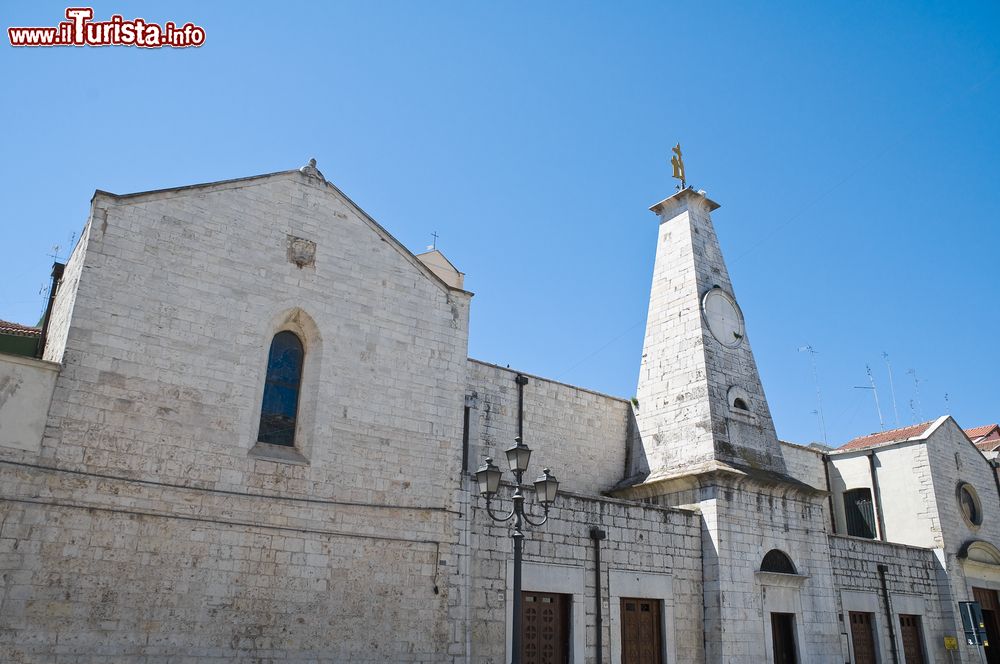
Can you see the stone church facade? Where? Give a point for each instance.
(252, 432)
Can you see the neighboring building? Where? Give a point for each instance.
(17, 339)
(929, 491)
(986, 438)
(253, 428)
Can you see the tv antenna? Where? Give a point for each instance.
(871, 386)
(892, 388)
(918, 411)
(819, 396)
(819, 416)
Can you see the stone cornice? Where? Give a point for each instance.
(683, 198)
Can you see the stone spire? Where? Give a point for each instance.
(701, 404)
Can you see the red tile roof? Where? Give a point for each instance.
(986, 437)
(989, 444)
(979, 432)
(16, 329)
(883, 437)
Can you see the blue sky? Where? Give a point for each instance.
(853, 147)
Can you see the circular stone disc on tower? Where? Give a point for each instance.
(725, 320)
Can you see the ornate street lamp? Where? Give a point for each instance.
(546, 487)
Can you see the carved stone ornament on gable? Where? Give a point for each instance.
(302, 252)
(310, 170)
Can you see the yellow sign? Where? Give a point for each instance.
(950, 643)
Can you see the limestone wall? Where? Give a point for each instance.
(151, 524)
(110, 570)
(741, 522)
(747, 524)
(166, 356)
(25, 393)
(916, 585)
(577, 433)
(804, 464)
(648, 550)
(904, 478)
(689, 380)
(955, 461)
(65, 299)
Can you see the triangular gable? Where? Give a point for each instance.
(443, 268)
(311, 175)
(951, 422)
(437, 253)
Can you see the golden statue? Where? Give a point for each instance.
(677, 161)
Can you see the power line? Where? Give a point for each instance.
(587, 357)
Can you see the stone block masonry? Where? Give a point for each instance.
(579, 434)
(644, 540)
(141, 519)
(101, 569)
(916, 584)
(686, 416)
(25, 393)
(149, 527)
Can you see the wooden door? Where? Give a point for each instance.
(909, 632)
(544, 628)
(642, 639)
(991, 617)
(783, 638)
(863, 638)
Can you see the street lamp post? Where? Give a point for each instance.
(546, 486)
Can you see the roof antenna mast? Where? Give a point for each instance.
(918, 411)
(871, 386)
(819, 396)
(892, 388)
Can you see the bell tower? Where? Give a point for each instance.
(701, 404)
(704, 438)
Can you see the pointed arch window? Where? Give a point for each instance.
(280, 404)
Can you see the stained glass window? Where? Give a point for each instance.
(281, 390)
